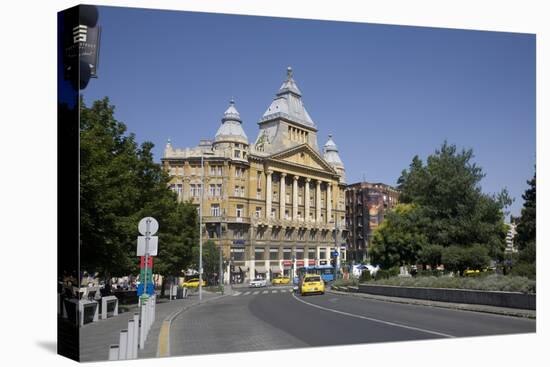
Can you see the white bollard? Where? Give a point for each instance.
(122, 344)
(143, 324)
(130, 346)
(113, 352)
(135, 342)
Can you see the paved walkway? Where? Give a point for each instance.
(96, 337)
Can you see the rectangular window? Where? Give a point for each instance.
(237, 154)
(312, 235)
(259, 194)
(322, 254)
(242, 191)
(288, 234)
(259, 253)
(287, 254)
(299, 254)
(273, 213)
(192, 190)
(179, 189)
(286, 214)
(219, 190)
(215, 210)
(240, 211)
(311, 254)
(273, 253)
(220, 171)
(237, 190)
(258, 212)
(237, 254)
(212, 190)
(212, 170)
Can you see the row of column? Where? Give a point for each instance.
(282, 198)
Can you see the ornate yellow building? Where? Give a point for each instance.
(272, 204)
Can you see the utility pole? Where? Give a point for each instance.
(220, 275)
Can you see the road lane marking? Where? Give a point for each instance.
(374, 320)
(256, 292)
(237, 294)
(265, 292)
(274, 291)
(246, 293)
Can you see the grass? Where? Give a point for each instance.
(493, 282)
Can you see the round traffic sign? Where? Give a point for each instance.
(153, 226)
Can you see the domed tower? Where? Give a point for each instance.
(331, 156)
(230, 135)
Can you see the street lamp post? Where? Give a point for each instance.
(336, 248)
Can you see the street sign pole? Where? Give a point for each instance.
(147, 234)
(200, 228)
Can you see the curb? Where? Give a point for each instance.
(456, 306)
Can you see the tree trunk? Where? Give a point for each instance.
(162, 287)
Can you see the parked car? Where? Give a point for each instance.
(312, 284)
(280, 280)
(193, 283)
(258, 283)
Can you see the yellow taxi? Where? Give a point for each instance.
(193, 283)
(280, 280)
(312, 284)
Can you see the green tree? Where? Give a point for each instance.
(210, 260)
(119, 184)
(526, 236)
(448, 209)
(399, 237)
(430, 255)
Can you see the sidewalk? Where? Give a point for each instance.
(457, 306)
(96, 337)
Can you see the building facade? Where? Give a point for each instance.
(274, 204)
(366, 204)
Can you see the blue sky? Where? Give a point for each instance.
(386, 93)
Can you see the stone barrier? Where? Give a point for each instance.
(488, 298)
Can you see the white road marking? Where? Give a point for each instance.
(275, 291)
(256, 292)
(246, 293)
(236, 294)
(265, 292)
(375, 320)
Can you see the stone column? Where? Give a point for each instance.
(295, 199)
(318, 202)
(268, 193)
(329, 205)
(282, 195)
(306, 198)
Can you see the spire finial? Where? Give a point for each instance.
(232, 101)
(169, 141)
(330, 136)
(289, 72)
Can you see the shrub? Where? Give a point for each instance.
(525, 270)
(382, 274)
(365, 276)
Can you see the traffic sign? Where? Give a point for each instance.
(150, 289)
(152, 247)
(142, 262)
(153, 226)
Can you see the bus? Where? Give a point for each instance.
(325, 271)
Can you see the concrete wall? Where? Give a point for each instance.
(499, 299)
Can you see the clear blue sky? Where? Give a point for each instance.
(386, 93)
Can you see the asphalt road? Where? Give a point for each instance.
(254, 320)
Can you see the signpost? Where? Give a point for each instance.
(147, 226)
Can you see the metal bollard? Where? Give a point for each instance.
(129, 345)
(135, 342)
(113, 352)
(122, 344)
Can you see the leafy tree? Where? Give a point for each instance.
(527, 225)
(210, 260)
(526, 236)
(430, 255)
(449, 210)
(399, 237)
(119, 184)
(459, 258)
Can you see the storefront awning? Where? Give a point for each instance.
(260, 269)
